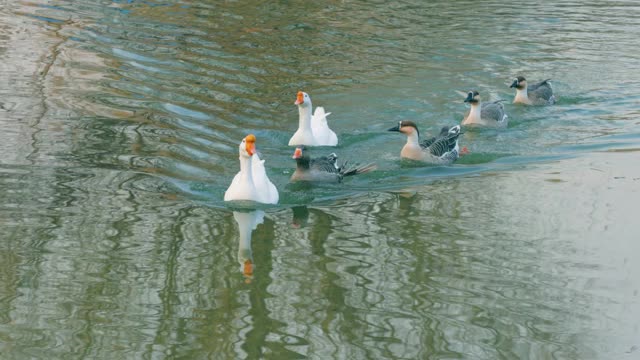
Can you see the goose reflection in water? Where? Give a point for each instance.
(247, 222)
(300, 217)
(319, 226)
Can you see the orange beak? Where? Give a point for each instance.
(297, 154)
(299, 98)
(247, 269)
(250, 144)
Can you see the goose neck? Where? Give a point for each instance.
(305, 117)
(522, 95)
(474, 111)
(413, 139)
(245, 169)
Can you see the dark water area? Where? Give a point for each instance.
(119, 127)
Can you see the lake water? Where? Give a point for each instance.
(119, 127)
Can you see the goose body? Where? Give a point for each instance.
(484, 114)
(313, 130)
(535, 94)
(252, 182)
(324, 168)
(441, 149)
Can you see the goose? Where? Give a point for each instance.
(535, 94)
(485, 114)
(247, 222)
(324, 168)
(312, 130)
(441, 149)
(251, 183)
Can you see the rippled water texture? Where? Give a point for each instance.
(119, 126)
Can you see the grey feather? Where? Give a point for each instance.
(443, 145)
(492, 111)
(325, 163)
(326, 169)
(541, 92)
(426, 143)
(443, 148)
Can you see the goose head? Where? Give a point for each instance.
(519, 83)
(406, 127)
(473, 97)
(303, 99)
(297, 154)
(301, 158)
(248, 146)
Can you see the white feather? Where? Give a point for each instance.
(321, 131)
(267, 192)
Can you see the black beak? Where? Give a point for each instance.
(395, 128)
(469, 98)
(514, 84)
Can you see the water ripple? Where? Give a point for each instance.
(119, 129)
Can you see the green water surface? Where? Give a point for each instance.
(119, 127)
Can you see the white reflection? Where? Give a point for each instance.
(247, 222)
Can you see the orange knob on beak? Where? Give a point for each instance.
(297, 154)
(247, 269)
(250, 144)
(299, 98)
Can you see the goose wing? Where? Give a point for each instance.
(267, 191)
(321, 131)
(536, 86)
(541, 90)
(325, 164)
(428, 142)
(492, 110)
(443, 145)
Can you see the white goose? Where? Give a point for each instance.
(251, 183)
(312, 130)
